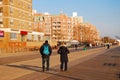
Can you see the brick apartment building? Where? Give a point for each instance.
(61, 28)
(16, 25)
(56, 28)
(43, 23)
(86, 33)
(22, 29)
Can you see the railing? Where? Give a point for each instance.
(14, 47)
(17, 44)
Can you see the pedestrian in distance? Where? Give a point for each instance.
(85, 47)
(76, 46)
(45, 51)
(90, 45)
(63, 51)
(108, 46)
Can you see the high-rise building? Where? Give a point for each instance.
(16, 24)
(42, 23)
(61, 28)
(55, 27)
(23, 28)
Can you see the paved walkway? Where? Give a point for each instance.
(82, 66)
(102, 67)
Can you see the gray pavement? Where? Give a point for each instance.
(6, 58)
(92, 64)
(103, 67)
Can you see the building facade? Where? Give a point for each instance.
(86, 33)
(21, 28)
(43, 24)
(61, 28)
(16, 25)
(56, 28)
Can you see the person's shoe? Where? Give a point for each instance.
(43, 70)
(65, 70)
(61, 69)
(47, 69)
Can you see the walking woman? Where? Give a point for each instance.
(63, 51)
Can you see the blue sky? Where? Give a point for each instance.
(104, 14)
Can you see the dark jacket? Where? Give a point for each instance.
(63, 51)
(42, 48)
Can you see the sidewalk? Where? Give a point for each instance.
(23, 56)
(103, 67)
(31, 69)
(25, 53)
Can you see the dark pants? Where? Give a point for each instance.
(63, 66)
(108, 46)
(45, 63)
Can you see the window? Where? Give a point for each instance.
(13, 36)
(34, 19)
(1, 20)
(47, 38)
(19, 2)
(11, 10)
(1, 10)
(36, 37)
(11, 1)
(29, 6)
(1, 25)
(39, 38)
(11, 22)
(38, 18)
(29, 37)
(0, 0)
(29, 15)
(47, 31)
(30, 24)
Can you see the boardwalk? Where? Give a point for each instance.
(92, 64)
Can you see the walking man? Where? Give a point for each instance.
(76, 46)
(45, 51)
(63, 51)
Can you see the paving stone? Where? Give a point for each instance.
(83, 65)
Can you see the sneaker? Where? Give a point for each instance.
(43, 70)
(47, 69)
(61, 69)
